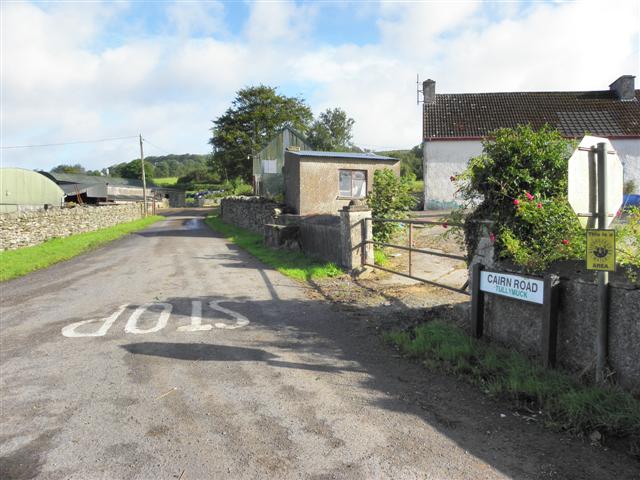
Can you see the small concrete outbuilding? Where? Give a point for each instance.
(325, 182)
(23, 189)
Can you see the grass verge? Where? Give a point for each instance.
(565, 403)
(166, 181)
(291, 264)
(16, 263)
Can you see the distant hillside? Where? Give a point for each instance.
(169, 165)
(410, 160)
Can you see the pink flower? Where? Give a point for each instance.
(492, 237)
(539, 205)
(445, 225)
(565, 242)
(516, 202)
(619, 213)
(529, 196)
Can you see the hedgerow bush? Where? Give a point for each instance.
(390, 198)
(519, 183)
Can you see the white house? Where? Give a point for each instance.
(455, 124)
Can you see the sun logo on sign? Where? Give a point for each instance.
(600, 249)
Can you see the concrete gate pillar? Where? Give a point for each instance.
(355, 229)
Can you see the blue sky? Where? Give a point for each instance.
(89, 70)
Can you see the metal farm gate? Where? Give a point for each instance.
(411, 249)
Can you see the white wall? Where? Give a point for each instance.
(443, 159)
(629, 153)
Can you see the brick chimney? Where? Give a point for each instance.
(624, 88)
(429, 91)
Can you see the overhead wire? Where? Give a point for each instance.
(69, 143)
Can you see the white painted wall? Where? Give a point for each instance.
(629, 153)
(443, 159)
(446, 158)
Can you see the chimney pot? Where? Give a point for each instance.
(429, 91)
(624, 87)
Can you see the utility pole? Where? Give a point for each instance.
(144, 180)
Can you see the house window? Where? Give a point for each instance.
(353, 183)
(269, 166)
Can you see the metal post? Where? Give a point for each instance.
(603, 277)
(410, 246)
(144, 181)
(477, 302)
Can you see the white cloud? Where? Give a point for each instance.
(62, 81)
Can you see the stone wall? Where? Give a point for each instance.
(22, 229)
(518, 324)
(250, 213)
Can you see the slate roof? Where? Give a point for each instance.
(474, 115)
(92, 179)
(352, 155)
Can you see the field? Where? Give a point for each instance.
(165, 181)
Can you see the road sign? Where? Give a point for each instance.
(514, 286)
(583, 182)
(601, 250)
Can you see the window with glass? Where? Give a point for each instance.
(353, 183)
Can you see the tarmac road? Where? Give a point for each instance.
(171, 354)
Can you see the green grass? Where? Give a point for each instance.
(16, 263)
(166, 181)
(379, 257)
(291, 264)
(565, 403)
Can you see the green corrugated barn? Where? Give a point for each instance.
(23, 189)
(267, 164)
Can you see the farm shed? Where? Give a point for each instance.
(96, 189)
(268, 163)
(27, 190)
(454, 125)
(324, 182)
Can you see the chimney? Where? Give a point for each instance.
(624, 88)
(429, 91)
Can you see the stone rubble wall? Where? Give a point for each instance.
(250, 213)
(22, 229)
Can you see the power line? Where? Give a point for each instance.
(70, 143)
(144, 139)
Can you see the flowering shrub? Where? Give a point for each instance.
(520, 184)
(535, 240)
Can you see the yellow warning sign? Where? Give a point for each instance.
(601, 250)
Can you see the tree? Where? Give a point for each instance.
(63, 168)
(133, 169)
(255, 116)
(331, 131)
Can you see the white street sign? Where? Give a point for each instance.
(583, 182)
(514, 286)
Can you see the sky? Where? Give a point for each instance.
(82, 71)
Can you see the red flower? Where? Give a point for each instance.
(516, 202)
(492, 237)
(452, 178)
(445, 225)
(529, 196)
(565, 242)
(539, 205)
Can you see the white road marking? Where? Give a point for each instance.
(241, 320)
(196, 319)
(70, 330)
(132, 323)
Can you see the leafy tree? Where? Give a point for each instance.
(77, 168)
(390, 198)
(255, 116)
(133, 169)
(331, 131)
(410, 161)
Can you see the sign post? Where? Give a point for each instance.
(595, 193)
(529, 289)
